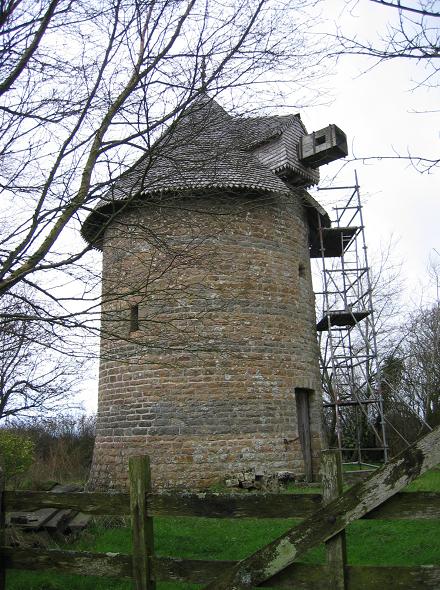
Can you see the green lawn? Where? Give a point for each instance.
(368, 542)
(428, 482)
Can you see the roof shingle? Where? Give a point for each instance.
(206, 149)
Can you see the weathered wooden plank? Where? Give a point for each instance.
(148, 526)
(397, 578)
(32, 520)
(332, 486)
(309, 577)
(206, 504)
(91, 503)
(111, 565)
(404, 505)
(304, 576)
(59, 521)
(300, 576)
(409, 505)
(195, 571)
(141, 523)
(65, 488)
(78, 522)
(331, 519)
(256, 505)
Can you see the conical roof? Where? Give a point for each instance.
(206, 149)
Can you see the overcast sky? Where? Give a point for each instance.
(377, 108)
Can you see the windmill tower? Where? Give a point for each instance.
(209, 356)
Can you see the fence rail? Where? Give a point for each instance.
(299, 576)
(404, 505)
(144, 568)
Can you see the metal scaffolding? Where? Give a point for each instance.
(350, 371)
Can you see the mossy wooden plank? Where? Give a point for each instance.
(310, 577)
(111, 565)
(167, 569)
(303, 576)
(333, 518)
(335, 548)
(397, 578)
(409, 505)
(195, 571)
(90, 503)
(413, 505)
(206, 504)
(141, 523)
(252, 505)
(300, 576)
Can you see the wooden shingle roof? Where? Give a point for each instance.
(206, 149)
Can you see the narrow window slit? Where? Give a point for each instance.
(134, 318)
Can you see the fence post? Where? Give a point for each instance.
(141, 523)
(332, 484)
(2, 528)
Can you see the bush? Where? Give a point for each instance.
(63, 449)
(16, 453)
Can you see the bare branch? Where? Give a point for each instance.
(401, 6)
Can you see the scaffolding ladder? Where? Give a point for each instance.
(353, 402)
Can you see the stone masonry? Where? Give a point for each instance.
(239, 312)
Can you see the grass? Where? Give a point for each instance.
(428, 482)
(368, 542)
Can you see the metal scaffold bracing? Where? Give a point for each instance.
(353, 403)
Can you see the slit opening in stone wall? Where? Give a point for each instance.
(302, 270)
(302, 397)
(134, 318)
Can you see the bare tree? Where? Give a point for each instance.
(421, 374)
(36, 374)
(87, 87)
(412, 34)
(411, 379)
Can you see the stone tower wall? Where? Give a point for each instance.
(206, 385)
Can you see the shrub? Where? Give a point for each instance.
(16, 453)
(63, 449)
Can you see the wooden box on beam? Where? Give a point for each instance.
(323, 146)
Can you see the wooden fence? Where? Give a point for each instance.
(144, 568)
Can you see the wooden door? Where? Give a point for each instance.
(303, 417)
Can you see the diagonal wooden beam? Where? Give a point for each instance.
(333, 518)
